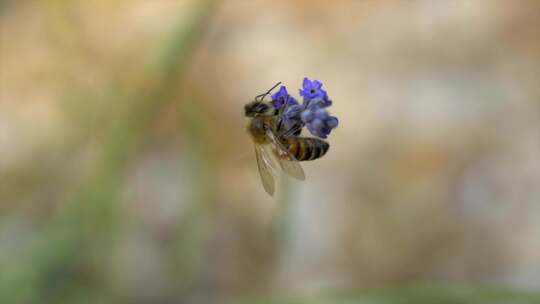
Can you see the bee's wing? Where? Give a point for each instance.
(292, 168)
(287, 161)
(264, 164)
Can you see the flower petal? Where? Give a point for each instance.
(332, 122)
(321, 114)
(306, 82)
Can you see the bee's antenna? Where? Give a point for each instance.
(262, 96)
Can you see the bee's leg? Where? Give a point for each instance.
(282, 111)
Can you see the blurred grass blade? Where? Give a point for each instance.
(68, 257)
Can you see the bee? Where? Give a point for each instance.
(276, 145)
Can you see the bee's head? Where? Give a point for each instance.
(255, 108)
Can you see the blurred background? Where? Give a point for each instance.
(127, 176)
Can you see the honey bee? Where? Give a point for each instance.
(276, 145)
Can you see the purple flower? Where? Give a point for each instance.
(318, 121)
(314, 115)
(318, 102)
(311, 90)
(281, 97)
(291, 117)
(311, 113)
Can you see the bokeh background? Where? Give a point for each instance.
(126, 174)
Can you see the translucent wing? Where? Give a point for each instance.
(292, 168)
(264, 165)
(286, 160)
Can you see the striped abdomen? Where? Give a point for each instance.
(306, 148)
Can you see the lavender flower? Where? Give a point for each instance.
(318, 121)
(315, 116)
(291, 117)
(281, 97)
(312, 91)
(317, 102)
(311, 113)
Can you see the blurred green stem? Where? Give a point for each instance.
(75, 243)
